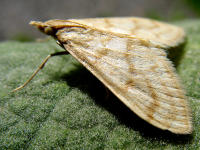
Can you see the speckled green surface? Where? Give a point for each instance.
(66, 107)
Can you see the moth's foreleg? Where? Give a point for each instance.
(40, 67)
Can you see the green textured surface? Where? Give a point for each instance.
(66, 107)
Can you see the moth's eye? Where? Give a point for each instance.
(49, 30)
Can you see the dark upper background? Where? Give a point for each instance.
(16, 14)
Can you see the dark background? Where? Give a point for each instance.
(16, 14)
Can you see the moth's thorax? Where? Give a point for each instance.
(72, 34)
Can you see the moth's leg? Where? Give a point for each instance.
(60, 44)
(40, 67)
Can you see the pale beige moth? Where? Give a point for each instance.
(128, 56)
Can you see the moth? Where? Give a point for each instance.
(128, 55)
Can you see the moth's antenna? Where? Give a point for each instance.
(39, 68)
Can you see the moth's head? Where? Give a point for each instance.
(52, 26)
(44, 27)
